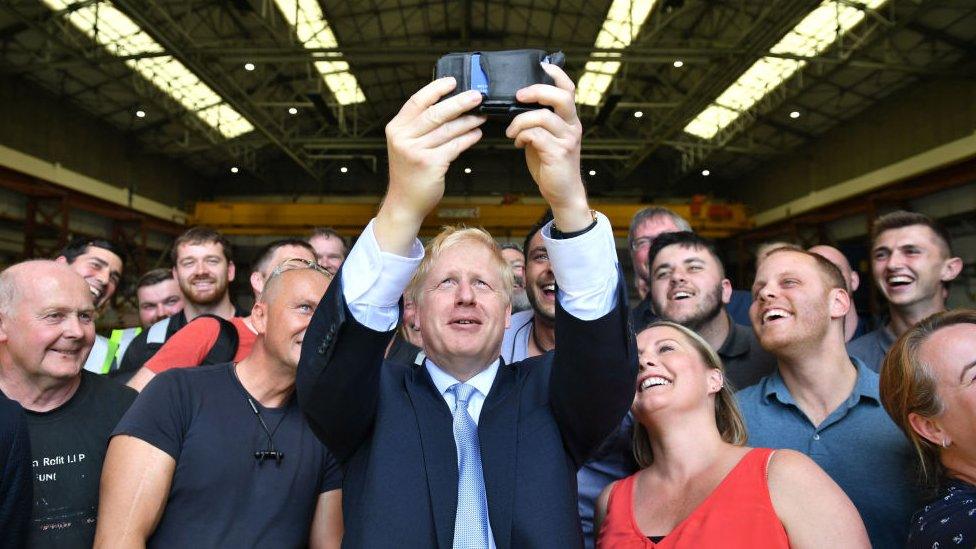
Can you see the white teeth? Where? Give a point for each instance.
(653, 381)
(549, 287)
(773, 314)
(465, 322)
(900, 279)
(681, 295)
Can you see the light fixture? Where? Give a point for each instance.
(678, 63)
(592, 173)
(638, 114)
(467, 170)
(121, 36)
(343, 169)
(292, 110)
(234, 169)
(624, 21)
(816, 32)
(795, 114)
(249, 66)
(706, 173)
(314, 32)
(140, 114)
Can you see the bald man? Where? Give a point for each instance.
(47, 328)
(853, 280)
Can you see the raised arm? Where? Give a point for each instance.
(595, 359)
(814, 511)
(343, 348)
(135, 485)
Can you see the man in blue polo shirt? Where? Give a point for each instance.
(822, 402)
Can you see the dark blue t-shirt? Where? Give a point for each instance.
(949, 520)
(221, 495)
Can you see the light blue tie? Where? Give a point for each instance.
(471, 521)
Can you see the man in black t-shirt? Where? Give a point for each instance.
(203, 264)
(46, 332)
(224, 451)
(16, 493)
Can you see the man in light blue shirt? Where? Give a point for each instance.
(465, 450)
(820, 401)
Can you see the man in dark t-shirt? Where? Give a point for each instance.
(16, 493)
(224, 450)
(46, 332)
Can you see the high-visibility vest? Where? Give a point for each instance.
(107, 351)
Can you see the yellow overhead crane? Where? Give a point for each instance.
(502, 217)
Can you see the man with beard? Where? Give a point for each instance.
(516, 260)
(912, 265)
(203, 265)
(47, 326)
(688, 286)
(99, 262)
(852, 324)
(647, 225)
(822, 402)
(532, 333)
(202, 341)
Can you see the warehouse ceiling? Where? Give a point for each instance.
(285, 93)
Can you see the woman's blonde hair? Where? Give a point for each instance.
(727, 416)
(908, 386)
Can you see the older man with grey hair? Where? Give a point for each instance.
(47, 326)
(645, 226)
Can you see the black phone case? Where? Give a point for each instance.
(507, 72)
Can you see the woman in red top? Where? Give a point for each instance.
(699, 486)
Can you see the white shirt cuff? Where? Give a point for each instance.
(374, 280)
(586, 269)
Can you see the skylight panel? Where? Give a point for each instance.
(624, 20)
(121, 36)
(314, 32)
(812, 36)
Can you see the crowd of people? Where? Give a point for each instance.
(468, 394)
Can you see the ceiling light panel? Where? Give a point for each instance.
(624, 21)
(314, 32)
(121, 36)
(812, 36)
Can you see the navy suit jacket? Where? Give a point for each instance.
(392, 431)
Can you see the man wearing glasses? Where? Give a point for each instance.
(211, 340)
(646, 225)
(221, 456)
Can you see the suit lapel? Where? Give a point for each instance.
(498, 436)
(435, 423)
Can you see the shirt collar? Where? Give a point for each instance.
(737, 342)
(481, 382)
(866, 386)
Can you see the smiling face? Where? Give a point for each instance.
(285, 310)
(950, 353)
(49, 330)
(687, 286)
(672, 374)
(463, 308)
(159, 301)
(793, 303)
(330, 252)
(909, 265)
(203, 272)
(540, 281)
(101, 269)
(644, 236)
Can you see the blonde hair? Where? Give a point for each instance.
(908, 386)
(731, 427)
(453, 236)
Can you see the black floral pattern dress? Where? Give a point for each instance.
(948, 521)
